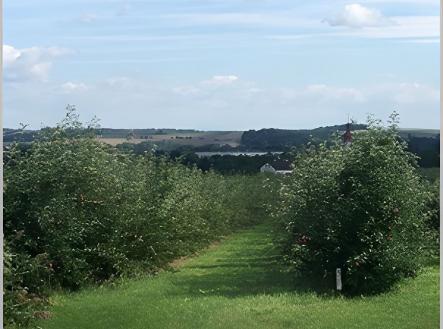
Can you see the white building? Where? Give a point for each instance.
(267, 168)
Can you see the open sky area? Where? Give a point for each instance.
(221, 64)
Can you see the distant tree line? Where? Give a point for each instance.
(281, 139)
(272, 140)
(427, 149)
(224, 164)
(234, 164)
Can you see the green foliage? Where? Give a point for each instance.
(79, 212)
(430, 174)
(358, 208)
(433, 207)
(427, 149)
(281, 139)
(23, 279)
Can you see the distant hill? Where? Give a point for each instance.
(18, 135)
(281, 139)
(169, 139)
(423, 142)
(413, 132)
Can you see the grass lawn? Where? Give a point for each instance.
(240, 283)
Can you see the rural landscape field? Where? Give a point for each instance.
(221, 164)
(120, 237)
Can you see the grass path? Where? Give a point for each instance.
(240, 284)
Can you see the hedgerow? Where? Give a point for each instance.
(78, 212)
(358, 207)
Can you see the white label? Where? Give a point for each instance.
(338, 278)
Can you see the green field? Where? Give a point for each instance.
(241, 283)
(193, 138)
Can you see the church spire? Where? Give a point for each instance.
(347, 136)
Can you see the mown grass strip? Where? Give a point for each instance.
(242, 284)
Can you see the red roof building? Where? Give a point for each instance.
(347, 136)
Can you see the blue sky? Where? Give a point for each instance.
(221, 64)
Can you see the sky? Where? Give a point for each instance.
(221, 64)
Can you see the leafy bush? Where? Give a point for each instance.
(79, 212)
(23, 289)
(432, 216)
(358, 208)
(433, 206)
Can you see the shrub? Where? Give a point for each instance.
(358, 208)
(80, 212)
(432, 216)
(433, 206)
(23, 289)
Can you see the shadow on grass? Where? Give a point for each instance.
(233, 280)
(251, 265)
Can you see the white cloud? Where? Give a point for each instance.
(40, 70)
(328, 93)
(426, 28)
(315, 96)
(213, 87)
(202, 106)
(370, 23)
(72, 87)
(357, 16)
(29, 63)
(186, 90)
(405, 93)
(221, 80)
(119, 82)
(396, 94)
(10, 55)
(423, 41)
(406, 27)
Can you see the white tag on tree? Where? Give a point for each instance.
(338, 279)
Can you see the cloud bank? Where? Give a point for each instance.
(29, 63)
(228, 102)
(357, 16)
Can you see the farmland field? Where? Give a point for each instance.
(194, 138)
(241, 283)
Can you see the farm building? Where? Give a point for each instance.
(279, 167)
(267, 168)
